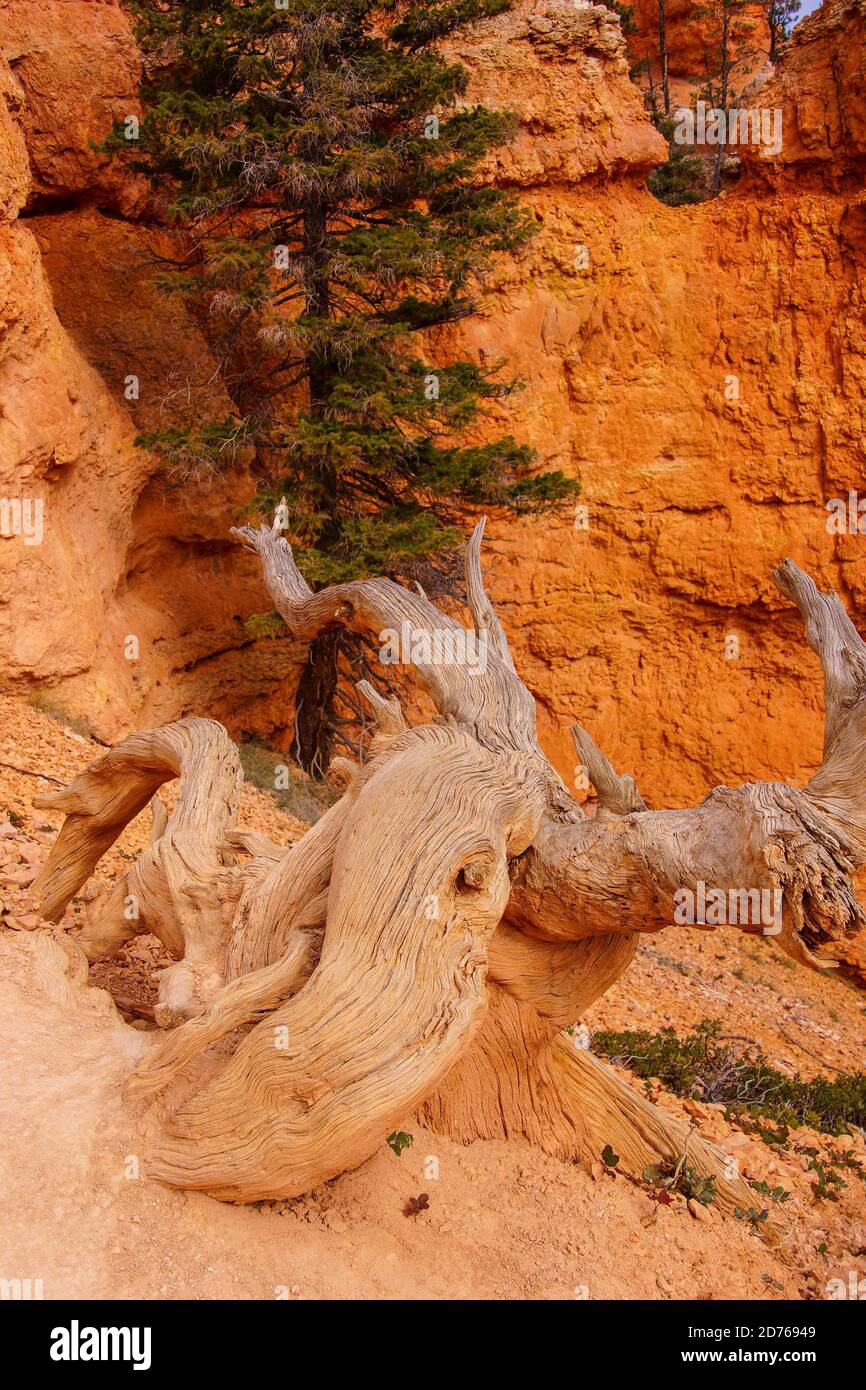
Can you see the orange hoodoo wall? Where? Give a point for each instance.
(701, 370)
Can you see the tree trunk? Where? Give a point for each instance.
(775, 26)
(725, 76)
(663, 55)
(313, 746)
(399, 990)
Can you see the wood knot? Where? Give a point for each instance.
(473, 875)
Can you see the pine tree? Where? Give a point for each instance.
(681, 180)
(782, 15)
(663, 55)
(322, 167)
(729, 49)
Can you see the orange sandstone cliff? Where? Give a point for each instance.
(700, 369)
(692, 33)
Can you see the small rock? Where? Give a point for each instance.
(22, 878)
(699, 1211)
(25, 923)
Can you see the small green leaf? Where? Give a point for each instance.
(399, 1141)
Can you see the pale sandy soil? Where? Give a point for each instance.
(504, 1221)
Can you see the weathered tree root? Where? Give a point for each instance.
(240, 1002)
(522, 1078)
(610, 1111)
(569, 1103)
(423, 946)
(419, 883)
(169, 889)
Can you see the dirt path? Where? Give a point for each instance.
(503, 1221)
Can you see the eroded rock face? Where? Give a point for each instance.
(701, 370)
(820, 90)
(704, 378)
(691, 30)
(79, 69)
(564, 72)
(120, 556)
(14, 163)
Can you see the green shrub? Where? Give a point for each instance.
(706, 1066)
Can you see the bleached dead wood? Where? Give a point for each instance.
(419, 883)
(168, 890)
(385, 1005)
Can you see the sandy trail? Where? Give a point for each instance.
(503, 1222)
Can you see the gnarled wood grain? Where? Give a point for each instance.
(423, 946)
(169, 889)
(420, 880)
